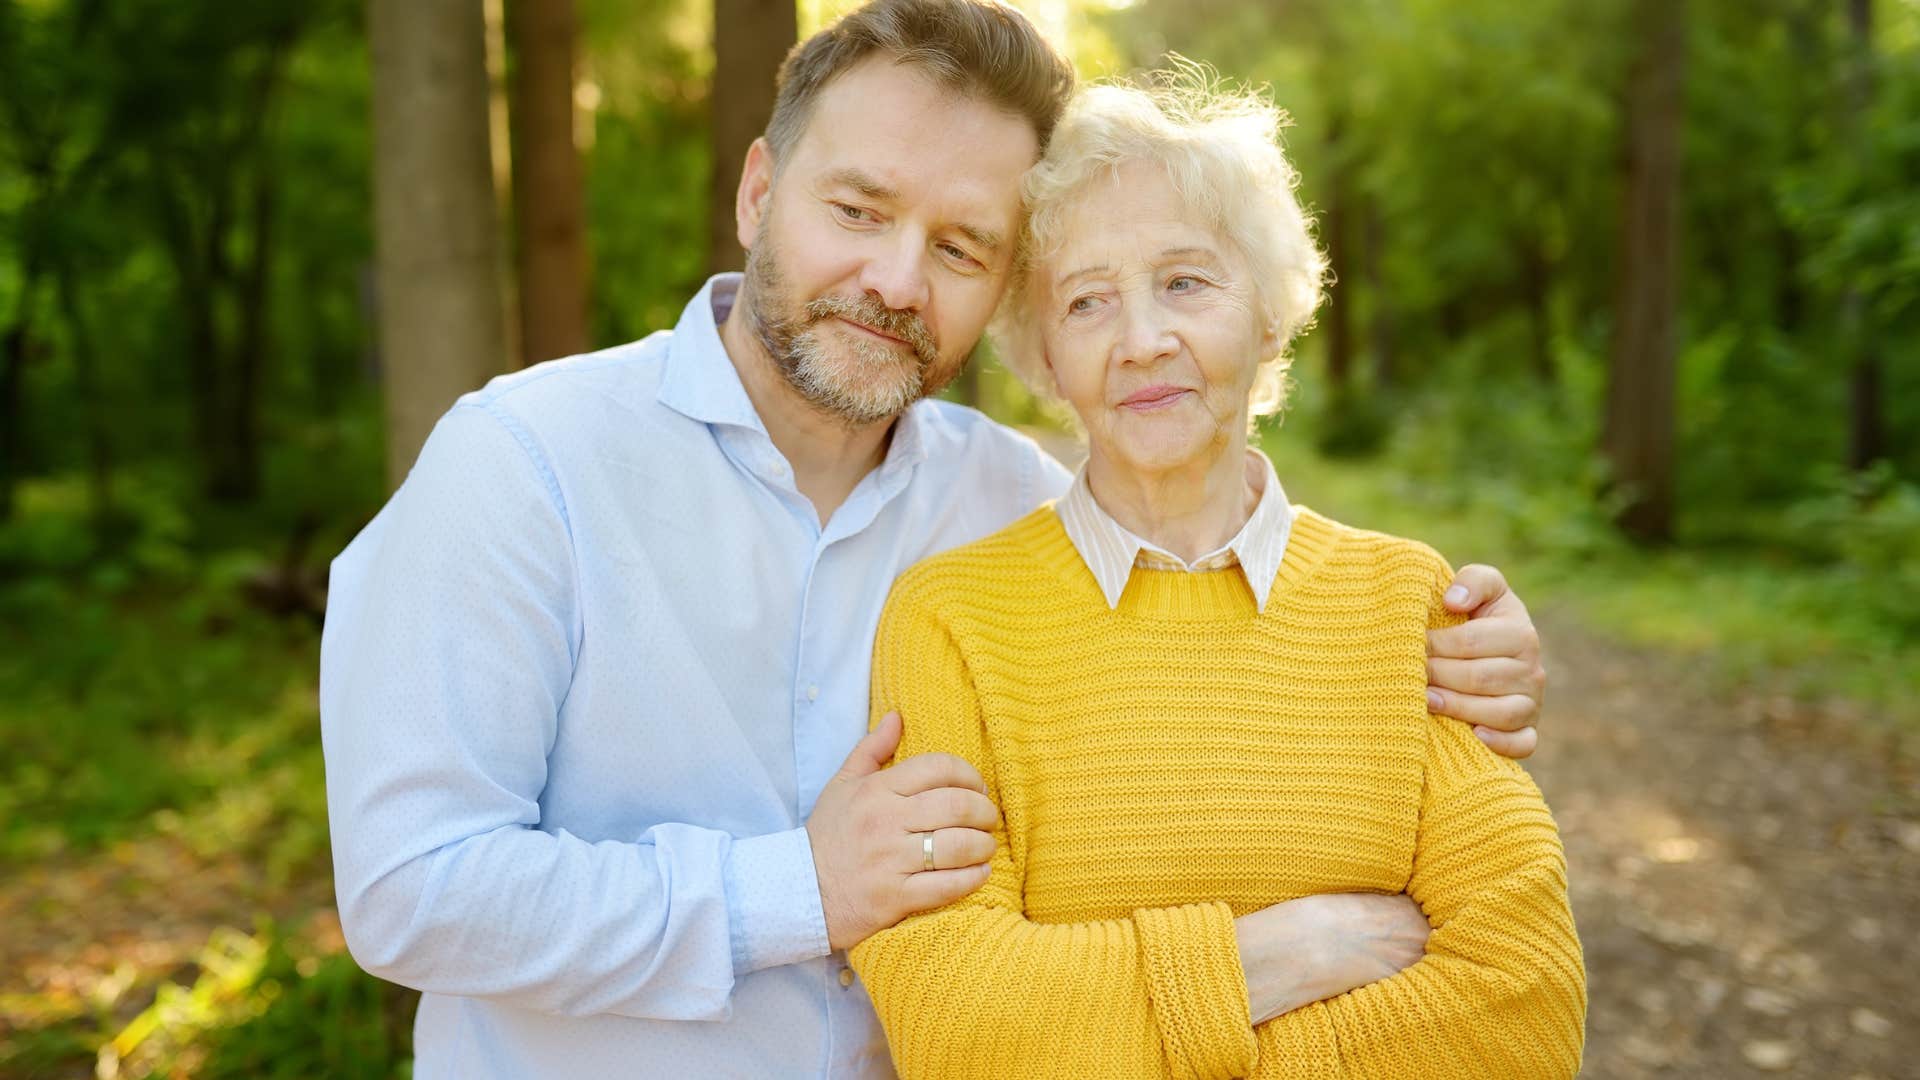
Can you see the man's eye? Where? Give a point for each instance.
(1184, 283)
(1081, 305)
(852, 213)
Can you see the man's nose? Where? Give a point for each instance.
(896, 273)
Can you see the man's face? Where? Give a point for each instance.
(879, 250)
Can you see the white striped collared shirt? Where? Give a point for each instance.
(1111, 551)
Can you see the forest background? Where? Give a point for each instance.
(1627, 303)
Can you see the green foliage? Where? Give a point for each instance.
(1474, 149)
(115, 707)
(1866, 531)
(647, 169)
(192, 214)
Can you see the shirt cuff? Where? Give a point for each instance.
(773, 902)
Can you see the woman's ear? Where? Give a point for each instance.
(1272, 339)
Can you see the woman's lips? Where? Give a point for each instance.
(1153, 398)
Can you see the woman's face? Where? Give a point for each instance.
(1150, 325)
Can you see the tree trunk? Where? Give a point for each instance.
(224, 305)
(1866, 441)
(199, 276)
(549, 197)
(237, 471)
(1536, 287)
(750, 38)
(87, 380)
(1802, 24)
(1638, 437)
(493, 16)
(441, 327)
(14, 349)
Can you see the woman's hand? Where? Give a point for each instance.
(1302, 951)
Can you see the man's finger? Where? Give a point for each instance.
(872, 751)
(1509, 712)
(1475, 586)
(1484, 639)
(932, 888)
(941, 808)
(952, 849)
(1513, 744)
(1486, 678)
(924, 772)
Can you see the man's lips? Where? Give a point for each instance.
(882, 335)
(1153, 398)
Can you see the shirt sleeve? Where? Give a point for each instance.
(452, 628)
(1501, 991)
(976, 989)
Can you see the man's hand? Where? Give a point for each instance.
(868, 836)
(1487, 671)
(1316, 947)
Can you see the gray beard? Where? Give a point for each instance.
(858, 383)
(862, 383)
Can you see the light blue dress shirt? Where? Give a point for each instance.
(582, 680)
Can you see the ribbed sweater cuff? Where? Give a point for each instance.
(1192, 962)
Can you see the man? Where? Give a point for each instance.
(594, 683)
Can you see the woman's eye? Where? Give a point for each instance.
(1081, 305)
(1184, 283)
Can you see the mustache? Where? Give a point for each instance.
(874, 315)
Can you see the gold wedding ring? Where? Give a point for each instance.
(926, 851)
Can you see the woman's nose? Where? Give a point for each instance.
(1146, 335)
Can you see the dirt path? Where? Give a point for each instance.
(1745, 874)
(1746, 878)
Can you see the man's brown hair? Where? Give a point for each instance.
(978, 48)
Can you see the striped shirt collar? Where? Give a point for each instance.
(1112, 552)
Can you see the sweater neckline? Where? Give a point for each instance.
(1182, 595)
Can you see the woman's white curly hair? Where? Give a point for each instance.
(1220, 145)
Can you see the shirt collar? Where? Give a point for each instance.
(1111, 551)
(909, 446)
(700, 381)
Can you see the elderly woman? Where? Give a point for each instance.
(1195, 704)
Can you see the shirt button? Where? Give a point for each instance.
(780, 469)
(846, 978)
(813, 693)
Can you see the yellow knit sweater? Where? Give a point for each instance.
(1166, 766)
